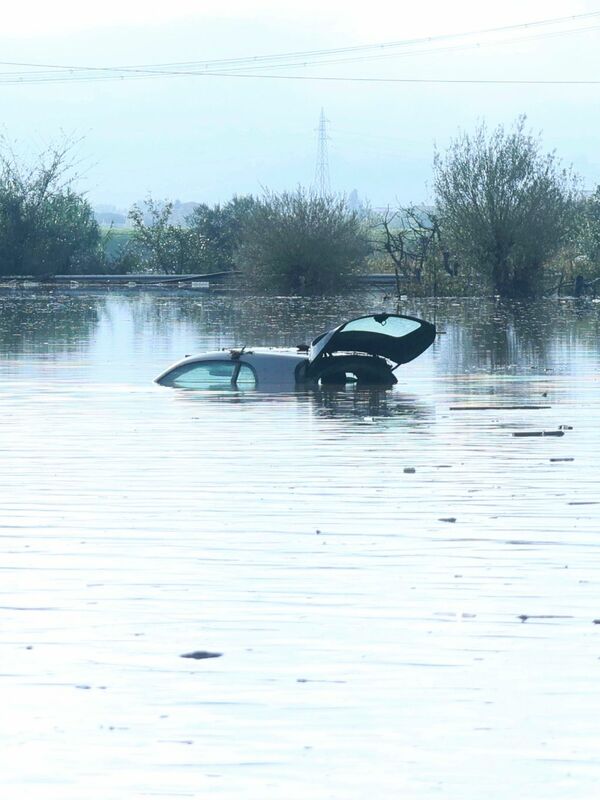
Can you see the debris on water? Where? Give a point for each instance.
(176, 741)
(583, 502)
(198, 654)
(525, 617)
(565, 427)
(409, 470)
(82, 686)
(562, 459)
(596, 622)
(447, 519)
(539, 433)
(498, 408)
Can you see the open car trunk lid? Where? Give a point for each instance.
(392, 336)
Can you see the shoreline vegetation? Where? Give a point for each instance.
(507, 220)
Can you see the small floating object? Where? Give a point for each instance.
(498, 408)
(525, 617)
(447, 519)
(539, 433)
(409, 470)
(562, 459)
(199, 654)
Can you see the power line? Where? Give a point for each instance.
(334, 79)
(483, 81)
(237, 67)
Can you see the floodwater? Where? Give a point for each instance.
(402, 591)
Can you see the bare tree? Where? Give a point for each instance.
(411, 238)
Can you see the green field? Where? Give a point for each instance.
(114, 240)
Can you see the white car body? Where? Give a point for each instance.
(271, 366)
(365, 350)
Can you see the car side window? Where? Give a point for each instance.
(202, 375)
(211, 375)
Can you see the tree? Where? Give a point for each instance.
(410, 238)
(301, 243)
(206, 242)
(161, 246)
(220, 228)
(505, 207)
(588, 228)
(46, 227)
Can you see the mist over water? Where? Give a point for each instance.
(402, 590)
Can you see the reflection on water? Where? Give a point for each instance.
(404, 594)
(46, 323)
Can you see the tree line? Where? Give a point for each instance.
(508, 218)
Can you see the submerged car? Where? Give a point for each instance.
(365, 351)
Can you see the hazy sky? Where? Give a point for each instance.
(206, 137)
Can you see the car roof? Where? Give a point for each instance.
(249, 355)
(265, 361)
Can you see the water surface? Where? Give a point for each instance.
(403, 594)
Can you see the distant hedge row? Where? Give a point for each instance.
(507, 219)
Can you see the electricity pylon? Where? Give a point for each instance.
(322, 184)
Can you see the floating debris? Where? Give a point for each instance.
(539, 433)
(525, 617)
(409, 470)
(447, 519)
(562, 459)
(198, 654)
(498, 408)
